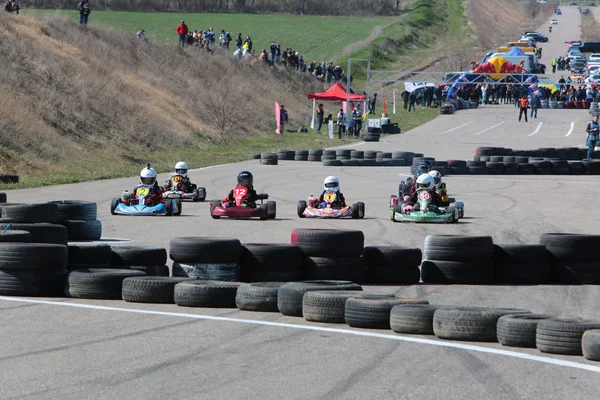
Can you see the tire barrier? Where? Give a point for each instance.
(9, 178)
(590, 344)
(326, 306)
(416, 319)
(519, 330)
(261, 262)
(373, 312)
(573, 257)
(98, 283)
(211, 294)
(392, 265)
(521, 264)
(290, 295)
(258, 296)
(563, 335)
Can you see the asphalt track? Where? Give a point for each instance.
(75, 349)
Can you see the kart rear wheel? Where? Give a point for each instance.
(213, 205)
(452, 210)
(169, 207)
(113, 205)
(265, 212)
(460, 206)
(199, 194)
(178, 203)
(271, 209)
(361, 208)
(355, 211)
(301, 208)
(396, 210)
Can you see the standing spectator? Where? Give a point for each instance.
(226, 38)
(320, 117)
(239, 42)
(553, 66)
(412, 99)
(141, 34)
(248, 42)
(404, 96)
(182, 31)
(357, 116)
(372, 104)
(273, 50)
(283, 118)
(593, 133)
(278, 53)
(484, 94)
(84, 12)
(515, 92)
(534, 106)
(341, 121)
(8, 6)
(523, 103)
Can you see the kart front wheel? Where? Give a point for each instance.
(114, 204)
(169, 207)
(265, 212)
(361, 209)
(301, 208)
(177, 204)
(271, 209)
(355, 211)
(396, 210)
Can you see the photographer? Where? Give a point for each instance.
(593, 132)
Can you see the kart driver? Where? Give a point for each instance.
(439, 185)
(148, 179)
(181, 168)
(423, 168)
(424, 182)
(332, 183)
(245, 179)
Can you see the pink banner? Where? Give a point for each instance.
(277, 118)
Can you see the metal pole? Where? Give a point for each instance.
(348, 86)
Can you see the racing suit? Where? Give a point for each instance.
(250, 200)
(186, 183)
(155, 193)
(435, 198)
(339, 201)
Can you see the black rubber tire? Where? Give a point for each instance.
(459, 170)
(151, 289)
(357, 154)
(521, 264)
(301, 153)
(370, 154)
(82, 230)
(255, 156)
(41, 233)
(299, 157)
(312, 157)
(15, 236)
(268, 156)
(32, 256)
(329, 242)
(367, 162)
(274, 257)
(475, 163)
(416, 319)
(459, 248)
(590, 344)
(258, 275)
(137, 255)
(393, 256)
(328, 157)
(315, 152)
(457, 272)
(563, 335)
(258, 296)
(31, 213)
(335, 268)
(3, 197)
(385, 275)
(75, 209)
(519, 330)
(289, 296)
(571, 246)
(150, 270)
(526, 169)
(373, 313)
(98, 283)
(203, 250)
(332, 163)
(457, 163)
(16, 282)
(326, 306)
(267, 161)
(496, 158)
(351, 163)
(209, 294)
(470, 323)
(89, 254)
(210, 271)
(479, 170)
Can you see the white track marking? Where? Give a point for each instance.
(209, 167)
(570, 130)
(537, 129)
(468, 347)
(487, 129)
(458, 127)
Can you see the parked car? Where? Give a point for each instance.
(538, 37)
(590, 47)
(594, 57)
(593, 79)
(553, 22)
(593, 69)
(558, 12)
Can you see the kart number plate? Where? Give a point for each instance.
(328, 211)
(177, 178)
(329, 196)
(424, 196)
(240, 191)
(143, 191)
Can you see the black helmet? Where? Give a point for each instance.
(422, 169)
(245, 178)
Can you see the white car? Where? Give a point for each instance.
(594, 57)
(593, 79)
(553, 22)
(593, 69)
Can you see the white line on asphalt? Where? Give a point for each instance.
(570, 130)
(524, 356)
(487, 129)
(537, 129)
(458, 127)
(210, 167)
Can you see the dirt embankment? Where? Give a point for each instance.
(72, 94)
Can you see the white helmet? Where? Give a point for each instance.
(181, 168)
(148, 176)
(425, 182)
(437, 177)
(331, 183)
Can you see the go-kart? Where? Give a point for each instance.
(175, 186)
(312, 208)
(424, 210)
(143, 203)
(239, 209)
(404, 190)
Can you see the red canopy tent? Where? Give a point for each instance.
(337, 92)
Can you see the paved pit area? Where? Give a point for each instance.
(76, 349)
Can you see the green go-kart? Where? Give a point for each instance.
(424, 210)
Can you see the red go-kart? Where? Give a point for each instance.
(239, 209)
(313, 209)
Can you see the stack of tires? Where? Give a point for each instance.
(458, 167)
(284, 154)
(198, 293)
(37, 219)
(206, 258)
(269, 159)
(80, 219)
(458, 260)
(290, 296)
(271, 263)
(150, 260)
(386, 159)
(392, 265)
(521, 264)
(315, 155)
(31, 269)
(372, 135)
(301, 155)
(332, 254)
(329, 159)
(574, 257)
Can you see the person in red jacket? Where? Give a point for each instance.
(182, 31)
